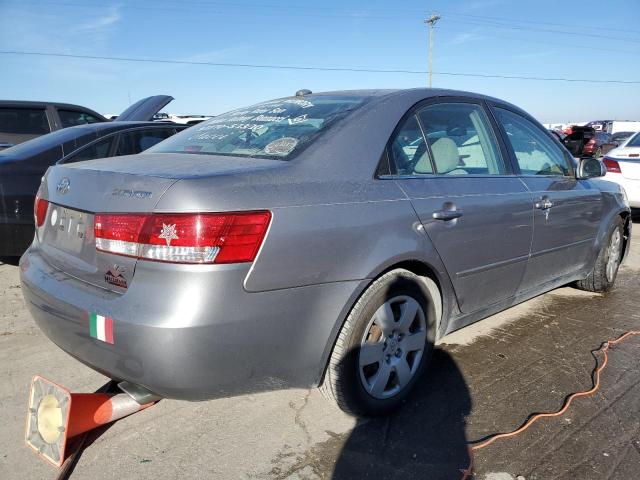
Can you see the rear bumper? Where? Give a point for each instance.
(631, 187)
(191, 332)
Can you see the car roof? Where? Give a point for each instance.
(30, 103)
(90, 131)
(418, 94)
(426, 92)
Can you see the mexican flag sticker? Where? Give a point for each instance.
(101, 327)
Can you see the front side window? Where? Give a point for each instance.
(26, 121)
(139, 140)
(71, 118)
(275, 129)
(99, 149)
(461, 139)
(536, 153)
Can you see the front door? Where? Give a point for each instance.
(477, 215)
(567, 211)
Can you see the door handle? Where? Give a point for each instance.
(544, 204)
(446, 214)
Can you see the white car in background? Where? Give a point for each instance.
(184, 119)
(623, 167)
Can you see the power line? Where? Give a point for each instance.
(299, 11)
(545, 30)
(313, 68)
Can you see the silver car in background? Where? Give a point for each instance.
(321, 239)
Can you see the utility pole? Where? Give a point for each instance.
(431, 22)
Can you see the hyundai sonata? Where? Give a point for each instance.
(316, 240)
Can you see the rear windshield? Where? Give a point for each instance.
(274, 129)
(635, 141)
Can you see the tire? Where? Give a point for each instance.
(603, 275)
(382, 338)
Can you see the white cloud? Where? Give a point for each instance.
(101, 24)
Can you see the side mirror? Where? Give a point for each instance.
(589, 167)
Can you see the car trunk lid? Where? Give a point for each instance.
(67, 236)
(144, 110)
(629, 162)
(132, 184)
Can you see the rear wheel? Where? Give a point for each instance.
(383, 345)
(605, 270)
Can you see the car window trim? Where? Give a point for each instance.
(147, 128)
(112, 150)
(64, 159)
(413, 110)
(565, 153)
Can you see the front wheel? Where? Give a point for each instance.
(383, 345)
(605, 270)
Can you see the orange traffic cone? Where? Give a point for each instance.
(56, 415)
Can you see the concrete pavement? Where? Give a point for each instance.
(484, 379)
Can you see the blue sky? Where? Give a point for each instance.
(598, 40)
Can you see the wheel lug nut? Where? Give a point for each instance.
(387, 358)
(398, 353)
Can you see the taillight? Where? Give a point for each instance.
(611, 165)
(40, 206)
(183, 238)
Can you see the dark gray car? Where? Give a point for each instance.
(322, 239)
(22, 166)
(21, 120)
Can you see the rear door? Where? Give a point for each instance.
(478, 215)
(567, 211)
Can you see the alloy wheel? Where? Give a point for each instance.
(392, 347)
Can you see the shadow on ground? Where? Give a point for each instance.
(425, 438)
(10, 261)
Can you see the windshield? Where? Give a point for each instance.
(274, 129)
(635, 141)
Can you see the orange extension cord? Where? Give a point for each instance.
(466, 473)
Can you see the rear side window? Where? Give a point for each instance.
(71, 118)
(29, 121)
(535, 152)
(137, 141)
(461, 139)
(99, 149)
(408, 149)
(274, 129)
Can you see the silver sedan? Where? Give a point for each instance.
(321, 239)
